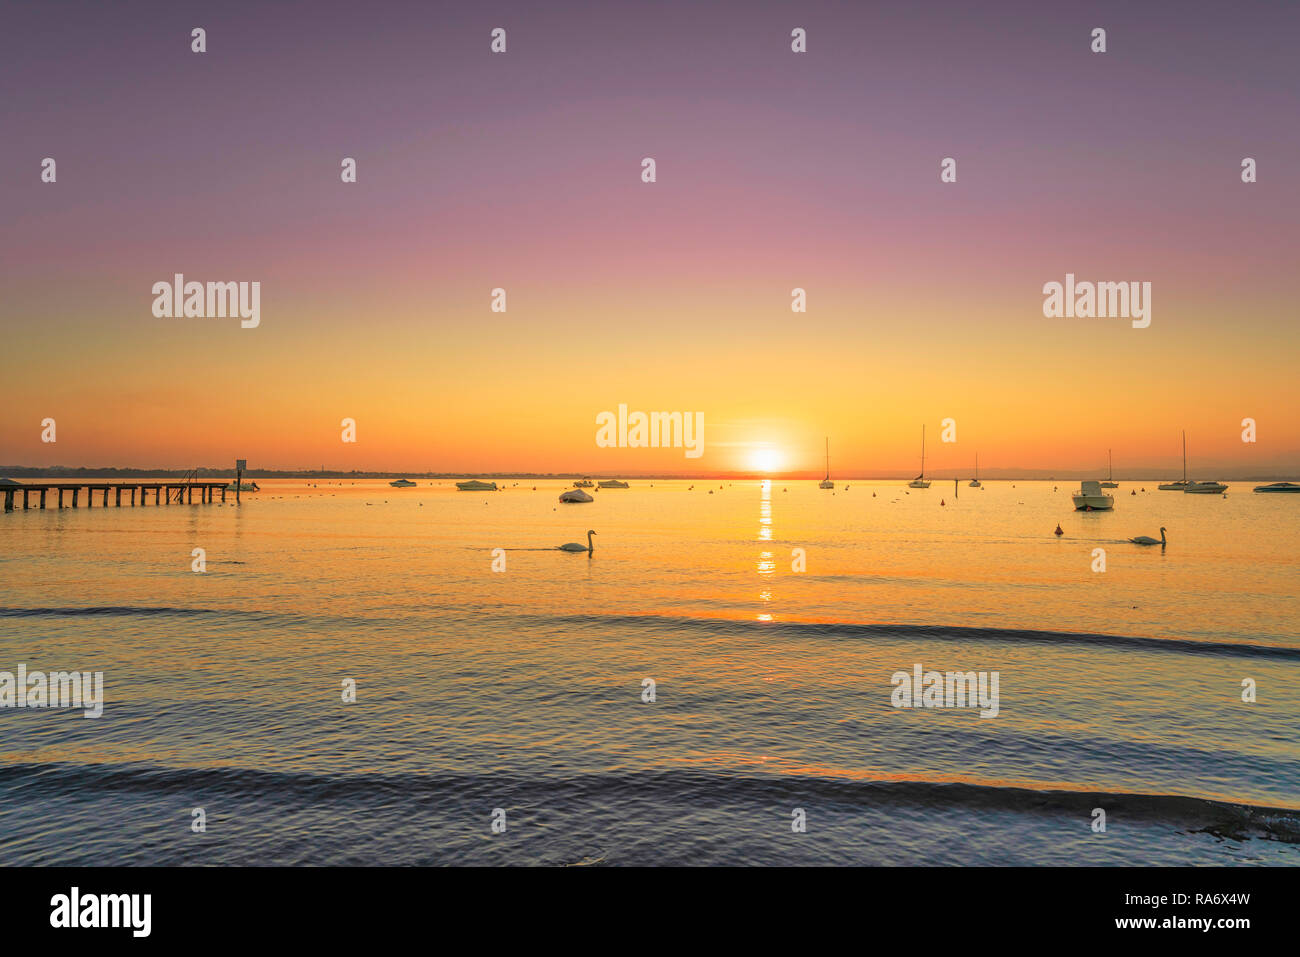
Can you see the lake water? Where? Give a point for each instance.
(522, 689)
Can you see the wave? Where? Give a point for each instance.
(947, 633)
(106, 610)
(1221, 818)
(722, 626)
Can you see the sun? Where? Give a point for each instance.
(765, 459)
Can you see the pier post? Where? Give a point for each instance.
(43, 498)
(75, 493)
(189, 495)
(118, 497)
(223, 493)
(133, 495)
(9, 500)
(105, 496)
(25, 491)
(60, 496)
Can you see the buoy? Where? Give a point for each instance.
(942, 502)
(1058, 529)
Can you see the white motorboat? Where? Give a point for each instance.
(613, 483)
(919, 481)
(402, 483)
(1090, 498)
(474, 485)
(1205, 488)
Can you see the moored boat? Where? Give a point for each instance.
(576, 495)
(1110, 472)
(402, 483)
(613, 483)
(1279, 487)
(474, 485)
(826, 482)
(920, 481)
(1090, 498)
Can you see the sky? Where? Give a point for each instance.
(774, 170)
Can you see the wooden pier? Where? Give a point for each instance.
(164, 493)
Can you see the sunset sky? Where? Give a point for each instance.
(775, 170)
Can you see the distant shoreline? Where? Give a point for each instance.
(18, 472)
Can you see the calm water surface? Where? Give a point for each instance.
(521, 689)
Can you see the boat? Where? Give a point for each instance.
(612, 483)
(975, 482)
(826, 482)
(243, 487)
(919, 481)
(474, 485)
(1090, 498)
(1110, 481)
(1196, 488)
(576, 495)
(1279, 487)
(585, 483)
(1178, 486)
(402, 483)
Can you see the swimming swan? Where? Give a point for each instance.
(1148, 540)
(575, 547)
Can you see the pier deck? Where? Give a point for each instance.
(164, 493)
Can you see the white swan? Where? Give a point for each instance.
(1148, 540)
(575, 547)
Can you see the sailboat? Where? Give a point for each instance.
(919, 481)
(1201, 488)
(826, 482)
(1110, 481)
(1178, 486)
(1196, 488)
(975, 482)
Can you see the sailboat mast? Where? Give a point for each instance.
(1184, 456)
(828, 457)
(922, 451)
